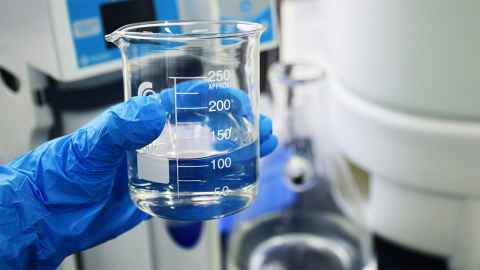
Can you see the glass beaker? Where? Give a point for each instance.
(204, 165)
(325, 227)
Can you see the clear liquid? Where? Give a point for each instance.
(308, 251)
(305, 241)
(200, 188)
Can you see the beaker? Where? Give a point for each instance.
(204, 164)
(325, 227)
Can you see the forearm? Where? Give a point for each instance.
(52, 197)
(34, 201)
(18, 237)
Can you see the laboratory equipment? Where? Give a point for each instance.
(405, 110)
(324, 227)
(297, 95)
(304, 27)
(57, 72)
(297, 240)
(204, 165)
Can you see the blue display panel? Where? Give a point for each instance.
(261, 11)
(91, 20)
(88, 26)
(266, 18)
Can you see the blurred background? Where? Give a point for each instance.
(375, 102)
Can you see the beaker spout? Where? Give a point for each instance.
(113, 37)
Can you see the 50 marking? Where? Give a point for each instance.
(222, 191)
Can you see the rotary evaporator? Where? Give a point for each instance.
(406, 110)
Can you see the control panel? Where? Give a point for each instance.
(91, 20)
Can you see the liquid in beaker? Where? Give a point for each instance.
(204, 165)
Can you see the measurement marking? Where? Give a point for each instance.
(192, 108)
(191, 180)
(199, 30)
(192, 166)
(193, 77)
(189, 93)
(175, 136)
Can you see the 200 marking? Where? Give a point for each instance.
(219, 105)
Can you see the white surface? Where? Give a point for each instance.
(424, 221)
(204, 256)
(425, 176)
(68, 264)
(467, 242)
(153, 168)
(22, 121)
(428, 153)
(23, 125)
(409, 115)
(36, 41)
(419, 56)
(27, 34)
(38, 34)
(73, 120)
(65, 49)
(129, 251)
(440, 225)
(303, 36)
(189, 9)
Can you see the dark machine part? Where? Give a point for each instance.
(98, 92)
(391, 256)
(62, 98)
(267, 58)
(133, 11)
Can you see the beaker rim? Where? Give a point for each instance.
(305, 72)
(243, 28)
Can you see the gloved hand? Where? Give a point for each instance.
(71, 193)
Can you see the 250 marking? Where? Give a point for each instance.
(219, 75)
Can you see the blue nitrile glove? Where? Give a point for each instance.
(71, 193)
(273, 196)
(203, 94)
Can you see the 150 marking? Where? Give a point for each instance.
(223, 134)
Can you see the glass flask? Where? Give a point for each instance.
(325, 227)
(204, 164)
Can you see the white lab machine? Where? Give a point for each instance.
(54, 60)
(406, 108)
